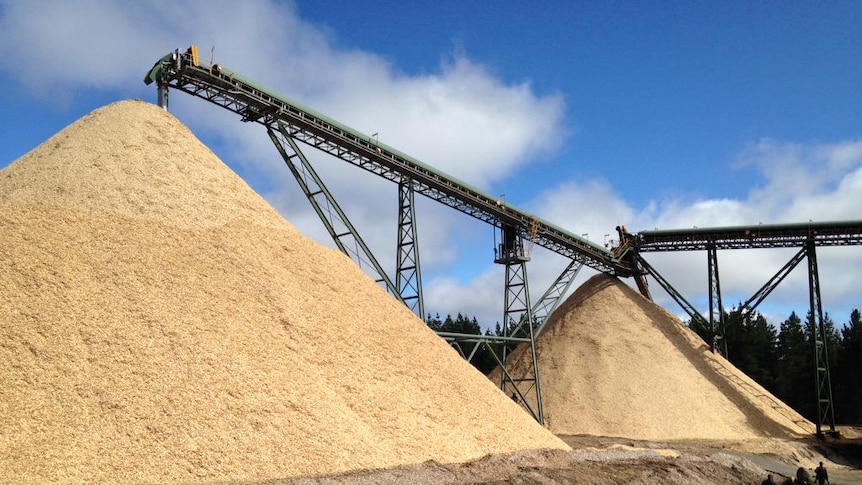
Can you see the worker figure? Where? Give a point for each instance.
(803, 477)
(821, 475)
(768, 481)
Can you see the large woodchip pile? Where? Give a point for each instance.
(161, 323)
(613, 363)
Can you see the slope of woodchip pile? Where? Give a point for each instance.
(613, 363)
(161, 323)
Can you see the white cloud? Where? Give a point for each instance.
(819, 182)
(801, 183)
(461, 119)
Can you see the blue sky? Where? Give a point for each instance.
(590, 114)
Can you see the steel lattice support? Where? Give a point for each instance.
(553, 295)
(676, 295)
(716, 310)
(773, 282)
(408, 274)
(334, 219)
(823, 384)
(518, 323)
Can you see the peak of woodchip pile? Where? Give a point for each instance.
(161, 323)
(613, 363)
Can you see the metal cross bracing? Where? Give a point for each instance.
(408, 273)
(334, 219)
(822, 380)
(228, 90)
(806, 236)
(288, 122)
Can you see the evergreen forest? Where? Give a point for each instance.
(782, 359)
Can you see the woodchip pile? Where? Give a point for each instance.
(161, 323)
(613, 363)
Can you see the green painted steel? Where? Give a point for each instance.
(255, 103)
(794, 228)
(831, 233)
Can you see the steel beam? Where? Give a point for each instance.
(328, 210)
(716, 310)
(553, 296)
(677, 296)
(823, 383)
(408, 273)
(752, 303)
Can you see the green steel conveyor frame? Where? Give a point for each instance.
(792, 235)
(255, 104)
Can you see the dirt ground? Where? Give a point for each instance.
(598, 460)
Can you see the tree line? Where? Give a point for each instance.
(782, 360)
(779, 359)
(482, 360)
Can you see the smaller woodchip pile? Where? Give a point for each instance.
(161, 323)
(613, 363)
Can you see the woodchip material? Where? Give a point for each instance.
(161, 323)
(613, 363)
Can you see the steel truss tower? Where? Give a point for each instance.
(716, 310)
(408, 273)
(823, 383)
(518, 322)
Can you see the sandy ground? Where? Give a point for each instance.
(598, 460)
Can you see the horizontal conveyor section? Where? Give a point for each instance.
(843, 233)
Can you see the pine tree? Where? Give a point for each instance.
(752, 346)
(848, 372)
(830, 339)
(795, 383)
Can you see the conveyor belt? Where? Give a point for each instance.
(255, 104)
(842, 233)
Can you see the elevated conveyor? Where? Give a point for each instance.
(797, 235)
(183, 72)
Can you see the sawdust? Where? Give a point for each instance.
(615, 364)
(161, 323)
